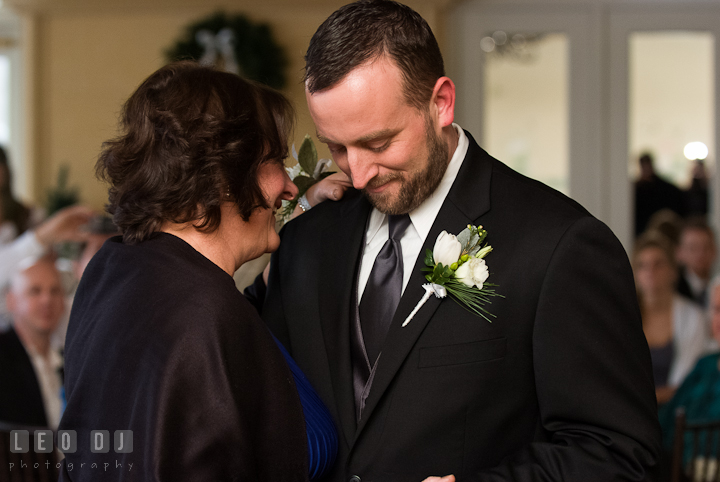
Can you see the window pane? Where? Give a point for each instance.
(526, 98)
(671, 100)
(4, 100)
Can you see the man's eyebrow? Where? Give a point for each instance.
(322, 138)
(362, 140)
(373, 136)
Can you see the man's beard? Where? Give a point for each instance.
(420, 186)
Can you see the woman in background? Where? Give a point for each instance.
(14, 216)
(160, 341)
(699, 394)
(673, 325)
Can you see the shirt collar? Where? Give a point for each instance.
(423, 216)
(697, 284)
(53, 358)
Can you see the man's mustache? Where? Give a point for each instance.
(378, 181)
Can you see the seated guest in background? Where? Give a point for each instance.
(65, 225)
(699, 394)
(160, 341)
(669, 224)
(695, 255)
(30, 370)
(674, 326)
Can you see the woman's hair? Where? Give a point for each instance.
(12, 209)
(192, 137)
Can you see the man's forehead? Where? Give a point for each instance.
(36, 274)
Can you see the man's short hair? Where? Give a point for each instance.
(697, 223)
(365, 30)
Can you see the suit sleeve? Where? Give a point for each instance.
(273, 309)
(255, 293)
(592, 368)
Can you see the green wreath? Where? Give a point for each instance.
(260, 58)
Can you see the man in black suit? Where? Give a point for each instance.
(30, 377)
(557, 387)
(696, 256)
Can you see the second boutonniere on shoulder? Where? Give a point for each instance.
(456, 267)
(305, 174)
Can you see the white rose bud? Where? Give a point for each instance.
(473, 272)
(447, 249)
(483, 252)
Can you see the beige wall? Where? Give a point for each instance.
(86, 57)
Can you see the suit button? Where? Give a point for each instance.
(355, 478)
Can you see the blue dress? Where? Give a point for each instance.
(321, 432)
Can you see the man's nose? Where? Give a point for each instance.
(362, 169)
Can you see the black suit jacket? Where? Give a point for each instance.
(683, 287)
(20, 397)
(557, 387)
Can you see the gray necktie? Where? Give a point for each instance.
(383, 290)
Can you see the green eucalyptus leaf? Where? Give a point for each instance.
(308, 156)
(474, 240)
(464, 238)
(303, 183)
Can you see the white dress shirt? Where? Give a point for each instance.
(696, 283)
(47, 372)
(422, 219)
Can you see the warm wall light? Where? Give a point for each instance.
(695, 150)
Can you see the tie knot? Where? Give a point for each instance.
(397, 224)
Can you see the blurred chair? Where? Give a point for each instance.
(696, 450)
(23, 468)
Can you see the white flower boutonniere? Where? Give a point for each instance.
(456, 266)
(308, 171)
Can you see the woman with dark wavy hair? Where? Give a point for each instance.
(15, 217)
(160, 341)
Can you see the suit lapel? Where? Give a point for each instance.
(467, 201)
(339, 270)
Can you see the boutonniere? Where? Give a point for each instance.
(456, 266)
(308, 171)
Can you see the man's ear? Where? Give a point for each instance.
(443, 101)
